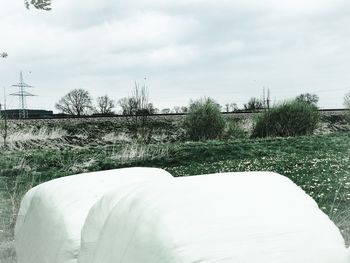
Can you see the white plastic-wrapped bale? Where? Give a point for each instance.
(51, 216)
(254, 217)
(97, 217)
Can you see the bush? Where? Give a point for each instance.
(204, 120)
(234, 130)
(289, 119)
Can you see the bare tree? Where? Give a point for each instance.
(233, 106)
(230, 107)
(347, 105)
(128, 106)
(138, 103)
(308, 98)
(3, 123)
(227, 107)
(138, 110)
(104, 105)
(184, 109)
(76, 102)
(38, 4)
(141, 98)
(165, 111)
(254, 104)
(177, 109)
(347, 100)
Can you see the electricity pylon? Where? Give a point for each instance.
(22, 94)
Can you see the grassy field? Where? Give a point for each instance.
(320, 164)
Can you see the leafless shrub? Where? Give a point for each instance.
(138, 109)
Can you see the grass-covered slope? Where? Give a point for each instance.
(320, 164)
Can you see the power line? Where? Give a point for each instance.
(22, 94)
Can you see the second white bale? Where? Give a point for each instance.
(224, 218)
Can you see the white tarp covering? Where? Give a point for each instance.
(224, 218)
(51, 216)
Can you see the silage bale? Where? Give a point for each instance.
(255, 217)
(51, 216)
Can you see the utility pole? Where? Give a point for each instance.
(3, 118)
(268, 99)
(4, 135)
(264, 104)
(22, 94)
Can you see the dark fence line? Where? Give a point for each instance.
(64, 116)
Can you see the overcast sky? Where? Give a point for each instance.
(186, 49)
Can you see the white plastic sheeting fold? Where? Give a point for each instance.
(223, 218)
(97, 217)
(51, 216)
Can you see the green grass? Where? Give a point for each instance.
(320, 164)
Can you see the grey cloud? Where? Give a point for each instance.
(187, 49)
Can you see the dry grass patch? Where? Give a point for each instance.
(134, 151)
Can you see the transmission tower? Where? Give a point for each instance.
(22, 94)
